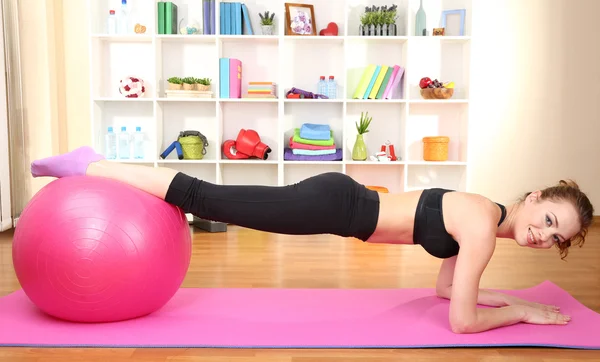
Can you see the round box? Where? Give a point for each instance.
(435, 148)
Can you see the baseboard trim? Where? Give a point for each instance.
(6, 224)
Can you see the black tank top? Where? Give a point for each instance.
(429, 229)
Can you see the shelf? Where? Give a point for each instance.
(289, 61)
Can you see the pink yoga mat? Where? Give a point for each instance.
(299, 318)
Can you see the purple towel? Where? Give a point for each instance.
(288, 155)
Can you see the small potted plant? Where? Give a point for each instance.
(389, 20)
(203, 84)
(266, 22)
(359, 151)
(189, 83)
(175, 83)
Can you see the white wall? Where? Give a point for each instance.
(535, 96)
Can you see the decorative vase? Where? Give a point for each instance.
(420, 21)
(267, 29)
(359, 151)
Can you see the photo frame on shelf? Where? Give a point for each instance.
(453, 22)
(300, 19)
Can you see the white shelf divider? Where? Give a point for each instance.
(290, 61)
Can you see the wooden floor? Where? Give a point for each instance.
(243, 258)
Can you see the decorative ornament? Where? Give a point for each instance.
(139, 29)
(132, 87)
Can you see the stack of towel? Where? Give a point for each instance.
(312, 142)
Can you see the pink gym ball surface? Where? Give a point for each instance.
(90, 249)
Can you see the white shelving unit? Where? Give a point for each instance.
(290, 61)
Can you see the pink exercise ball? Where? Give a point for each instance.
(90, 249)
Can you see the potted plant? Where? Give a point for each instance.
(389, 20)
(359, 151)
(174, 83)
(366, 22)
(266, 22)
(203, 84)
(189, 83)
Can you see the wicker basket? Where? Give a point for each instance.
(193, 147)
(435, 148)
(202, 87)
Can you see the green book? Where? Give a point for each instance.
(170, 18)
(386, 79)
(161, 17)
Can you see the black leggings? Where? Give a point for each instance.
(328, 203)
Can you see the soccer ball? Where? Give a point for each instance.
(132, 87)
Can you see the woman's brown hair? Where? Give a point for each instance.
(569, 191)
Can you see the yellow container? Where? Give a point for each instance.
(435, 148)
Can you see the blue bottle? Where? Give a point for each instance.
(110, 144)
(331, 88)
(322, 86)
(124, 144)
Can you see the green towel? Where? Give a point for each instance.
(299, 139)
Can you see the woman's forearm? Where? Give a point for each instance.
(490, 318)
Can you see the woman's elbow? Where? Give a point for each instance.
(463, 324)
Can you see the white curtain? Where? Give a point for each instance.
(13, 188)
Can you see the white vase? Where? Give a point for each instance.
(267, 29)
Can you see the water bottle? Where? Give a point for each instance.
(322, 86)
(138, 143)
(123, 18)
(331, 88)
(111, 23)
(110, 144)
(124, 144)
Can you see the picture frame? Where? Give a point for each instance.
(300, 19)
(453, 22)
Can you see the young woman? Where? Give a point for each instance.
(459, 227)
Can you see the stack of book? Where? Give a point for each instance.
(261, 90)
(380, 82)
(233, 16)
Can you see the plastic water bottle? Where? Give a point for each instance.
(322, 86)
(331, 88)
(124, 144)
(138, 143)
(111, 23)
(110, 144)
(123, 18)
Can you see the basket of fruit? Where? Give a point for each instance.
(434, 89)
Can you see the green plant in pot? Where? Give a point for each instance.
(189, 83)
(266, 22)
(359, 151)
(175, 83)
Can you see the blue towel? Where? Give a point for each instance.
(313, 131)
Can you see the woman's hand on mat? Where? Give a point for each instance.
(535, 315)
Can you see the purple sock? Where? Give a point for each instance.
(74, 163)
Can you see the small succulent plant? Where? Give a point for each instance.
(365, 121)
(266, 18)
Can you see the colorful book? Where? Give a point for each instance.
(385, 83)
(246, 15)
(372, 82)
(235, 78)
(364, 82)
(378, 82)
(224, 78)
(170, 18)
(161, 17)
(395, 70)
(395, 87)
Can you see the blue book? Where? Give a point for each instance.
(221, 18)
(238, 18)
(224, 77)
(227, 18)
(372, 82)
(246, 14)
(205, 17)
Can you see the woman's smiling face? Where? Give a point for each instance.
(543, 223)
